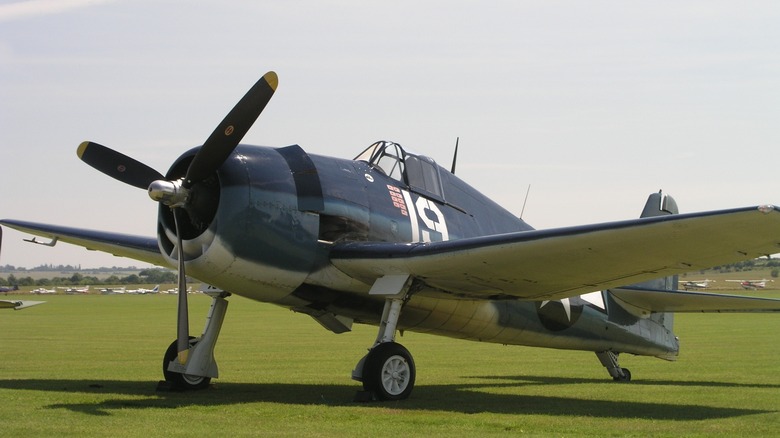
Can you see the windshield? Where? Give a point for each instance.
(419, 172)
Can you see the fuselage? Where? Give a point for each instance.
(280, 211)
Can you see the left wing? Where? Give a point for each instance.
(563, 262)
(140, 248)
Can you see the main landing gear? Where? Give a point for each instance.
(387, 371)
(200, 366)
(610, 361)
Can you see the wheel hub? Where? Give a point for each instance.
(396, 372)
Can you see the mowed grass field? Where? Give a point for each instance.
(89, 365)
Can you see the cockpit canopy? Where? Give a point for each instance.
(418, 172)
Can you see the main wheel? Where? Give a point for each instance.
(389, 371)
(182, 382)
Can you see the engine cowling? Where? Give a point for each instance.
(244, 229)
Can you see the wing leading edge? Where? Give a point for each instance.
(140, 248)
(563, 262)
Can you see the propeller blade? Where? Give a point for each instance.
(117, 165)
(182, 317)
(231, 130)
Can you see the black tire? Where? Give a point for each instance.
(389, 372)
(179, 381)
(626, 376)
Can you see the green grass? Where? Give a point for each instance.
(88, 366)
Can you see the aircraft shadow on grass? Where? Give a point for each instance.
(459, 398)
(548, 380)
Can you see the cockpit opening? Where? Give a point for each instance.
(418, 172)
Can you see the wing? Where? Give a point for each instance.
(644, 301)
(140, 248)
(563, 262)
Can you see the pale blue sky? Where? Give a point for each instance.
(594, 104)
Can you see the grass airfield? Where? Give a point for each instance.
(88, 365)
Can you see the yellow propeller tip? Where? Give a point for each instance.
(82, 148)
(271, 79)
(183, 356)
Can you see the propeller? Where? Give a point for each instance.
(176, 194)
(182, 311)
(117, 165)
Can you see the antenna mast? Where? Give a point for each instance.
(525, 200)
(455, 157)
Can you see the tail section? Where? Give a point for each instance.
(656, 299)
(659, 204)
(646, 309)
(655, 327)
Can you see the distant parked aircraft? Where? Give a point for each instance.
(751, 284)
(75, 290)
(142, 291)
(6, 289)
(44, 291)
(696, 284)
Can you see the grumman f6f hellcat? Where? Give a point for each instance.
(394, 240)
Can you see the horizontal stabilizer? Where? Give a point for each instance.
(645, 301)
(18, 304)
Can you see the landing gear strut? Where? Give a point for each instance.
(388, 370)
(200, 367)
(610, 361)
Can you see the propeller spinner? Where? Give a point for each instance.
(176, 194)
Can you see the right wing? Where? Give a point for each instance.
(564, 262)
(140, 248)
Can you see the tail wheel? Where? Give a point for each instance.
(389, 372)
(181, 381)
(626, 377)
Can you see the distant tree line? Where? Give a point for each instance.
(156, 275)
(64, 268)
(146, 276)
(749, 265)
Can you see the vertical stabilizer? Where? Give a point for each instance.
(659, 204)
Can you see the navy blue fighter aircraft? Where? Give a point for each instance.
(393, 240)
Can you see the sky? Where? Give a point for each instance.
(594, 105)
